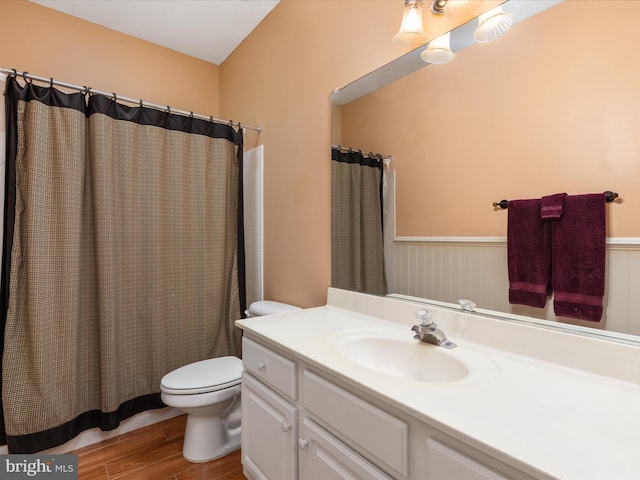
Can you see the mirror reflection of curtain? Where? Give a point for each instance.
(357, 244)
(122, 253)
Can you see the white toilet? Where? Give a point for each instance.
(209, 393)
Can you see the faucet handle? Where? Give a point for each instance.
(424, 316)
(467, 305)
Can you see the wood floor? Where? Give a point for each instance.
(154, 453)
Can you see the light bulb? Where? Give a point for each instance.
(411, 30)
(438, 50)
(492, 24)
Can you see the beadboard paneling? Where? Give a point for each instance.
(451, 269)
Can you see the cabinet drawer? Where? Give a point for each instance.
(324, 456)
(446, 463)
(383, 438)
(273, 369)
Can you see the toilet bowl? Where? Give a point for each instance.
(209, 393)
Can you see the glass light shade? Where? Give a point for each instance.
(461, 8)
(411, 30)
(492, 24)
(438, 50)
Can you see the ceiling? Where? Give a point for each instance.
(205, 29)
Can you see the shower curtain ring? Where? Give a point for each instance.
(15, 72)
(141, 105)
(51, 82)
(168, 109)
(115, 97)
(26, 79)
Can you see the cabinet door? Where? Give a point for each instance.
(384, 437)
(269, 433)
(446, 463)
(322, 457)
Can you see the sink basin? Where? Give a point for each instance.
(401, 358)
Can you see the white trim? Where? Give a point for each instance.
(615, 242)
(452, 239)
(624, 241)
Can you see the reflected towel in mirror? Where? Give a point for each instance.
(528, 253)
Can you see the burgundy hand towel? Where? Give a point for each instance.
(551, 206)
(578, 246)
(528, 253)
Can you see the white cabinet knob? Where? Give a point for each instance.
(304, 443)
(286, 427)
(261, 366)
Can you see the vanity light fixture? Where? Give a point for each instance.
(438, 6)
(438, 50)
(461, 8)
(411, 30)
(492, 24)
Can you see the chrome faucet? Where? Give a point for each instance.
(429, 332)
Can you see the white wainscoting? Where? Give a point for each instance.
(447, 269)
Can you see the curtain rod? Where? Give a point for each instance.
(84, 89)
(370, 154)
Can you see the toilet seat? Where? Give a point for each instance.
(204, 376)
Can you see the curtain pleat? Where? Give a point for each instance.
(124, 263)
(357, 243)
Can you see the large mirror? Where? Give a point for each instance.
(551, 106)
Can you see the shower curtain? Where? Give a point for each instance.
(123, 258)
(357, 243)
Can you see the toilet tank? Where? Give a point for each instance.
(269, 307)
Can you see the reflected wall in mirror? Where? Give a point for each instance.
(552, 106)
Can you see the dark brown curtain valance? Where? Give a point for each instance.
(123, 258)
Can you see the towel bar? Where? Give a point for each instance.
(609, 197)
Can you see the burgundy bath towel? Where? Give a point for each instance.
(551, 206)
(528, 253)
(578, 246)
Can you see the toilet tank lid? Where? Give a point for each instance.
(269, 307)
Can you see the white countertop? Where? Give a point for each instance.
(553, 418)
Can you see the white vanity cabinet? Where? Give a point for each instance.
(278, 446)
(299, 421)
(269, 421)
(363, 403)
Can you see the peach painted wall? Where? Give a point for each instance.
(282, 76)
(48, 43)
(553, 106)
